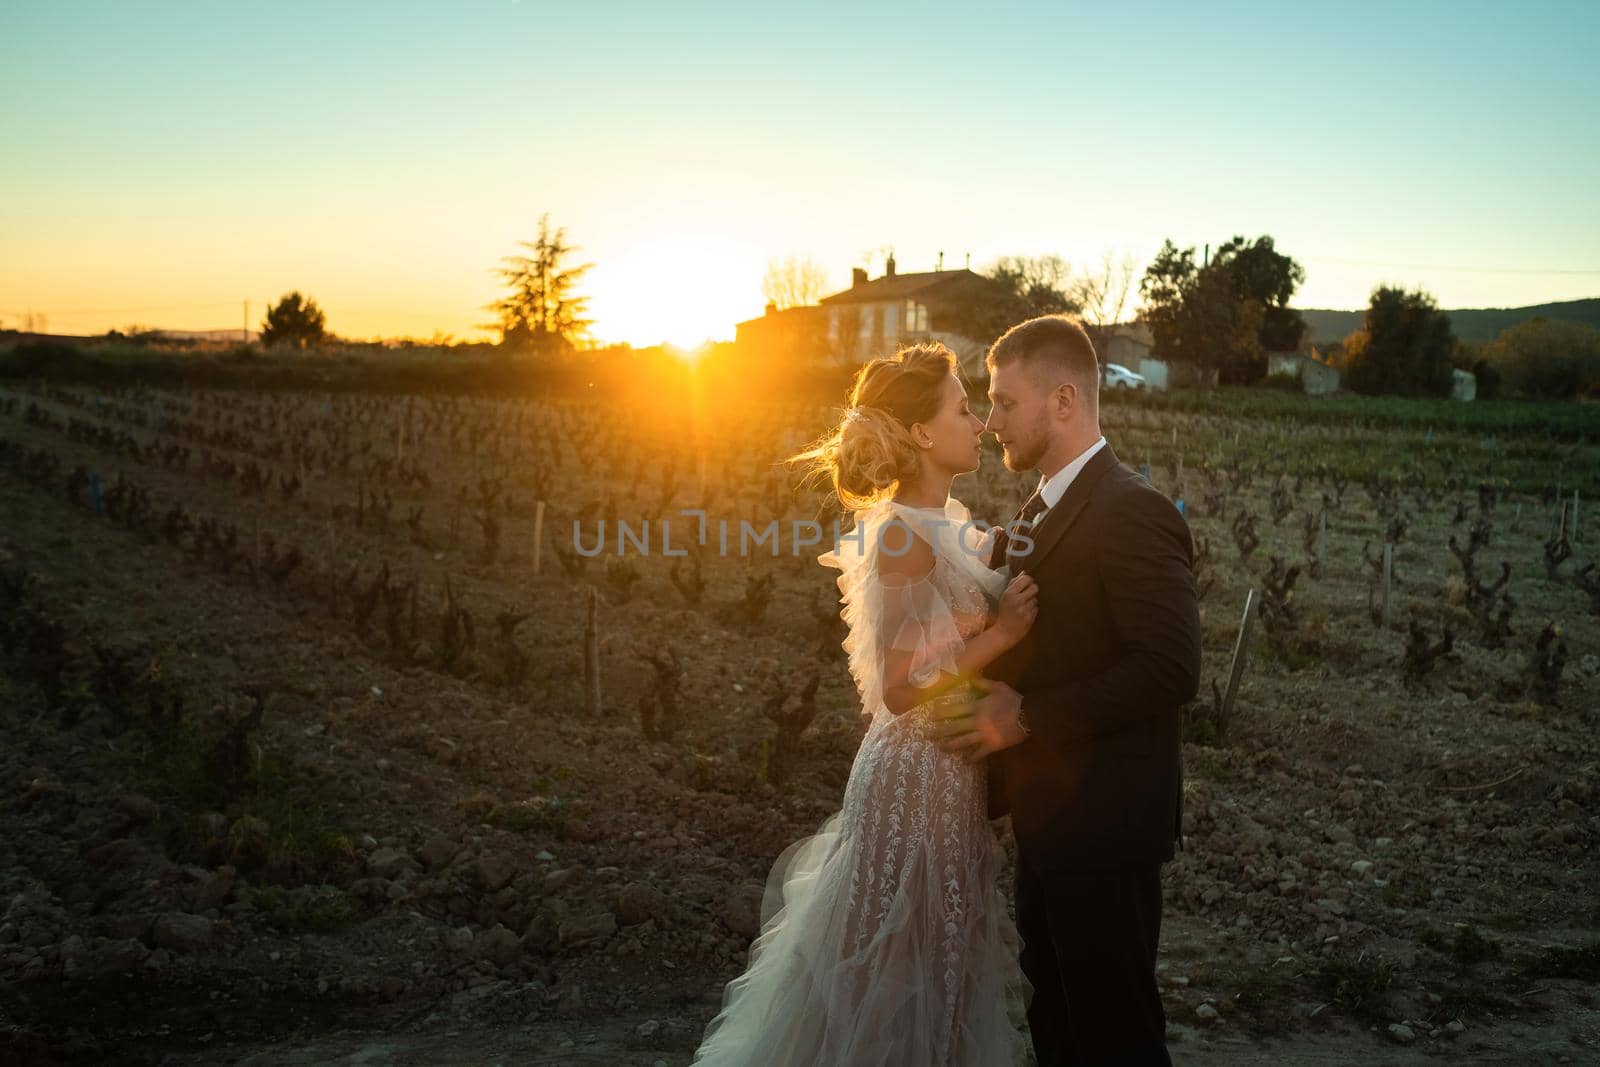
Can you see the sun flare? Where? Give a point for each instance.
(690, 356)
(680, 289)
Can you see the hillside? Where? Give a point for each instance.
(1471, 324)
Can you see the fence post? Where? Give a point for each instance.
(1388, 578)
(591, 655)
(1241, 650)
(538, 535)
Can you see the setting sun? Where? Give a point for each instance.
(679, 287)
(691, 356)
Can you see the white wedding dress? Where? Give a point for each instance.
(885, 939)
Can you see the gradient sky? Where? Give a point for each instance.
(165, 162)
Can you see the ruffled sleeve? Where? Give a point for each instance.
(893, 612)
(917, 619)
(861, 605)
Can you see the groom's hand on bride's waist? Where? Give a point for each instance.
(983, 726)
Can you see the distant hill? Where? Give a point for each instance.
(208, 335)
(22, 336)
(1327, 325)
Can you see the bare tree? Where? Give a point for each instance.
(794, 282)
(1103, 292)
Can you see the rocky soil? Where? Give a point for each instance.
(344, 857)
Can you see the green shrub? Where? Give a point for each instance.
(1360, 986)
(302, 908)
(1582, 962)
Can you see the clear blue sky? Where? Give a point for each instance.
(165, 162)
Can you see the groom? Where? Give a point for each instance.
(1081, 723)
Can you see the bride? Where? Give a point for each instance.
(885, 938)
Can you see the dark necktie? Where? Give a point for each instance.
(1002, 542)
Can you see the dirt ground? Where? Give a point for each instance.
(440, 865)
(1331, 1046)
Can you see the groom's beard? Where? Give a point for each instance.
(1018, 460)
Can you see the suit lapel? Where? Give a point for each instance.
(1059, 519)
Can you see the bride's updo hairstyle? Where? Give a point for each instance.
(869, 452)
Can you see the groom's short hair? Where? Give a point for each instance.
(1057, 343)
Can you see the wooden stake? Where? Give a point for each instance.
(591, 655)
(538, 534)
(1388, 578)
(1241, 650)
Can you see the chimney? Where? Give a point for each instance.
(858, 277)
(889, 266)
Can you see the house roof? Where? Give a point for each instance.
(899, 286)
(789, 314)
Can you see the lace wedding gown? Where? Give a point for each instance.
(885, 939)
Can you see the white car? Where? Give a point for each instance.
(1119, 377)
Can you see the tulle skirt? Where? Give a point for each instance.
(885, 939)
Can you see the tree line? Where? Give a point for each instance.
(1222, 316)
(1225, 315)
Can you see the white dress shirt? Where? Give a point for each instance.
(1054, 487)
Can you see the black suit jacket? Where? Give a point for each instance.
(1112, 656)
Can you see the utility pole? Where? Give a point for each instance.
(1205, 258)
(244, 334)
